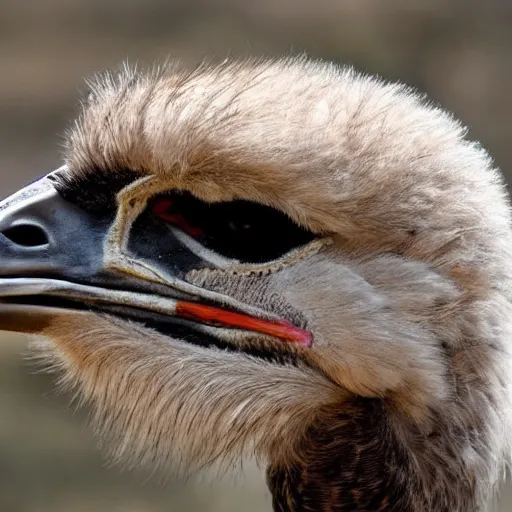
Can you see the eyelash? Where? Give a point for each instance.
(242, 230)
(94, 190)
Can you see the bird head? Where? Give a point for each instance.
(283, 259)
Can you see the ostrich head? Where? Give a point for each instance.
(282, 259)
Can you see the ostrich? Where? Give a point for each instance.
(282, 259)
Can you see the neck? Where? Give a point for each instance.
(353, 460)
(344, 464)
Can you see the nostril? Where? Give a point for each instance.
(26, 235)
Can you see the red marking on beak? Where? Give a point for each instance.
(221, 317)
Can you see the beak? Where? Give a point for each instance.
(42, 234)
(52, 263)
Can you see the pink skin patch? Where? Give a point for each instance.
(220, 317)
(163, 209)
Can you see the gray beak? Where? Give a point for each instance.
(52, 262)
(41, 234)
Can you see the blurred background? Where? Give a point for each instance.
(458, 51)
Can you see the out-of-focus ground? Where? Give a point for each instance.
(458, 51)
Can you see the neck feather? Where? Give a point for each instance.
(354, 460)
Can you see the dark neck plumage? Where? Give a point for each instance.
(349, 461)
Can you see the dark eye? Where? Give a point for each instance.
(247, 231)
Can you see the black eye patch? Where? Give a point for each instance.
(243, 230)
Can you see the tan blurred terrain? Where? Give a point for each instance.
(458, 51)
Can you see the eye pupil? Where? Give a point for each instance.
(233, 226)
(262, 233)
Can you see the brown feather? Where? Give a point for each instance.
(405, 401)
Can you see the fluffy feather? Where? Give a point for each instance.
(410, 302)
